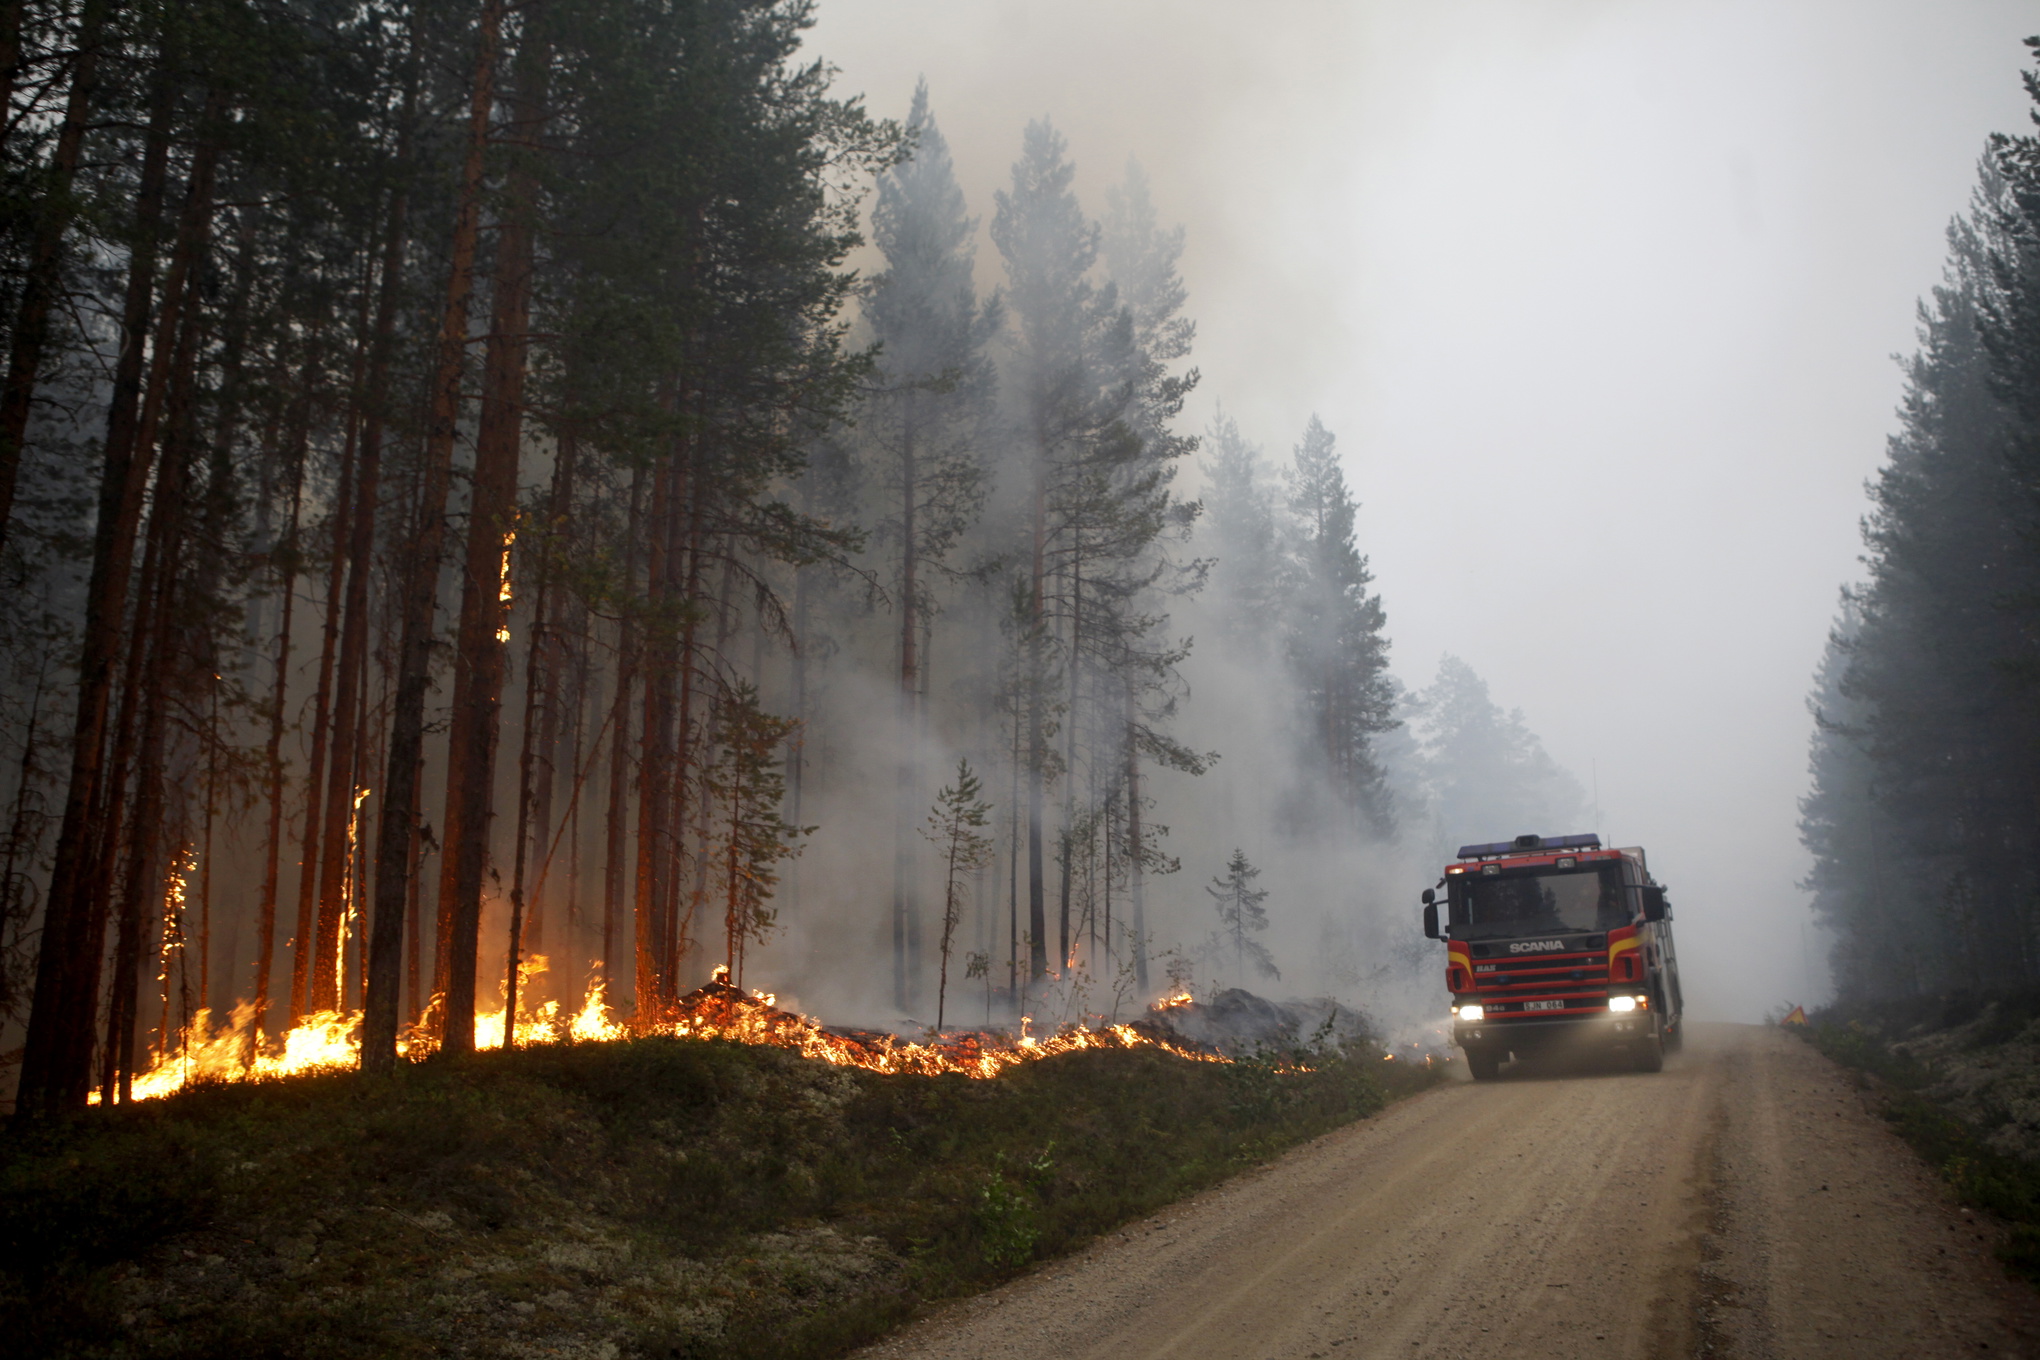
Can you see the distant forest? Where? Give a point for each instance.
(469, 533)
(1925, 802)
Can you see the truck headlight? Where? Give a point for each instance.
(1621, 1003)
(1470, 1013)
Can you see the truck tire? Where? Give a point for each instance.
(1675, 1037)
(1649, 1054)
(1484, 1063)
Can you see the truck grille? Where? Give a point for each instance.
(1577, 981)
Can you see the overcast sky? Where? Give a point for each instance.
(1600, 299)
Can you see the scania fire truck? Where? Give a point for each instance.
(1552, 941)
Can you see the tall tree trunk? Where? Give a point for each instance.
(399, 814)
(152, 646)
(485, 581)
(142, 837)
(655, 763)
(54, 210)
(329, 784)
(1137, 848)
(386, 950)
(696, 488)
(1069, 820)
(905, 925)
(1037, 737)
(617, 844)
(535, 672)
(21, 842)
(265, 947)
(544, 672)
(56, 1069)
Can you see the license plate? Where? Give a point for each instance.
(1543, 1005)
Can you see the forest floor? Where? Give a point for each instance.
(1750, 1201)
(673, 1198)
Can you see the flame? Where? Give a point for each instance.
(1170, 1003)
(720, 1011)
(503, 585)
(331, 1040)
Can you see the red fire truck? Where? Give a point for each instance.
(1552, 941)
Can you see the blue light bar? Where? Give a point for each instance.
(1524, 845)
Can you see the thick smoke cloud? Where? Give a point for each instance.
(1599, 298)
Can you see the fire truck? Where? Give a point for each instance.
(1554, 942)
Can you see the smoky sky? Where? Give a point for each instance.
(1601, 301)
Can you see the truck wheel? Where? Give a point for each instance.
(1675, 1037)
(1649, 1054)
(1484, 1063)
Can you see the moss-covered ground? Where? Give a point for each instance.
(649, 1198)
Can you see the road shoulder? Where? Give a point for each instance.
(1826, 1236)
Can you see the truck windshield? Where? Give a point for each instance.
(1506, 905)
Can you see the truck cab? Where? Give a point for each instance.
(1554, 942)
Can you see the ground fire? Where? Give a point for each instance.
(330, 1040)
(1551, 942)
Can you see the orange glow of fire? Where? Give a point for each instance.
(330, 1040)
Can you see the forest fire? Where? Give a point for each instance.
(330, 1040)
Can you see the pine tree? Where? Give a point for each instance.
(1338, 642)
(928, 422)
(1245, 530)
(955, 827)
(1930, 677)
(1240, 914)
(1486, 776)
(746, 785)
(1048, 246)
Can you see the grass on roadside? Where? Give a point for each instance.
(656, 1197)
(1982, 1177)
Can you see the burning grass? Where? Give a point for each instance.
(656, 1196)
(331, 1040)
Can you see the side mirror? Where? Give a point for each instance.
(1430, 896)
(1430, 918)
(1655, 907)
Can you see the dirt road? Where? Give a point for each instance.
(1745, 1202)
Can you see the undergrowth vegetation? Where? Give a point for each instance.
(1981, 1176)
(659, 1197)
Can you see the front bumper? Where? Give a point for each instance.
(1604, 1027)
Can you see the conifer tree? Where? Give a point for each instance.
(1240, 916)
(1485, 774)
(1338, 641)
(928, 423)
(955, 828)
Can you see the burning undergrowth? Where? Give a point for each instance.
(330, 1040)
(656, 1195)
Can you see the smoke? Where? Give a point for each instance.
(1599, 297)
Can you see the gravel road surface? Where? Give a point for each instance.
(1745, 1202)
